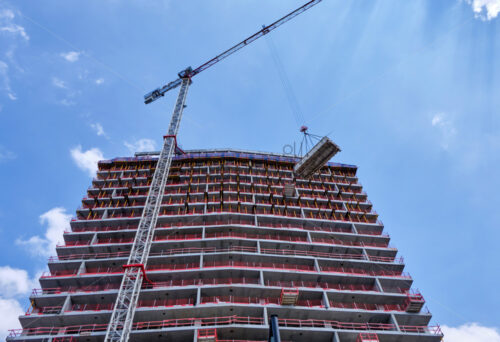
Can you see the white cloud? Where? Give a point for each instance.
(6, 13)
(10, 310)
(6, 154)
(5, 85)
(15, 29)
(141, 145)
(66, 102)
(57, 82)
(14, 281)
(57, 221)
(470, 332)
(99, 130)
(485, 9)
(443, 123)
(87, 160)
(71, 56)
(99, 81)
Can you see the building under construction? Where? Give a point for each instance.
(230, 250)
(209, 245)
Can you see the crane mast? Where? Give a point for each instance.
(123, 313)
(122, 317)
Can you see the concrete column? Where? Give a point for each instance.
(335, 337)
(94, 239)
(316, 265)
(67, 304)
(261, 276)
(198, 296)
(105, 215)
(378, 285)
(325, 300)
(353, 227)
(266, 319)
(258, 247)
(201, 260)
(82, 268)
(203, 233)
(363, 251)
(309, 237)
(395, 322)
(336, 188)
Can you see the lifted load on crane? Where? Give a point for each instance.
(316, 158)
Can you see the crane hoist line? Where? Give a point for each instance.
(120, 325)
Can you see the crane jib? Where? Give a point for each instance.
(188, 73)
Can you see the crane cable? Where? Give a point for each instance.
(285, 82)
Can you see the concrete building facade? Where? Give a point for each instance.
(238, 240)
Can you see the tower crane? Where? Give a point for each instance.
(120, 324)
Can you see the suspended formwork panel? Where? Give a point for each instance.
(316, 158)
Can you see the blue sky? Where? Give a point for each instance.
(408, 89)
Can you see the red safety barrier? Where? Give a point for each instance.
(351, 270)
(158, 267)
(91, 307)
(260, 265)
(45, 310)
(166, 302)
(61, 273)
(228, 320)
(323, 285)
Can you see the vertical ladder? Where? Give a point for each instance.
(120, 324)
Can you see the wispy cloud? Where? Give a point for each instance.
(471, 332)
(446, 128)
(5, 83)
(16, 30)
(7, 25)
(99, 81)
(87, 160)
(66, 102)
(71, 56)
(99, 130)
(485, 9)
(7, 14)
(57, 82)
(5, 154)
(141, 145)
